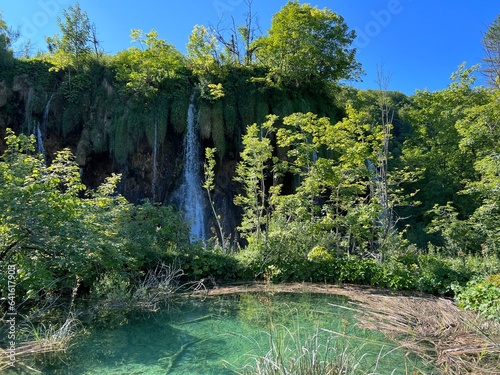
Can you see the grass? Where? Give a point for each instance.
(38, 341)
(435, 329)
(298, 351)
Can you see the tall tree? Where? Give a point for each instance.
(202, 51)
(77, 40)
(4, 38)
(146, 67)
(434, 148)
(305, 45)
(480, 132)
(251, 173)
(491, 45)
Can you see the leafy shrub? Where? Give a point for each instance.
(397, 275)
(482, 295)
(201, 263)
(112, 287)
(358, 271)
(436, 275)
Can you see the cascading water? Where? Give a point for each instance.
(40, 148)
(40, 129)
(192, 194)
(155, 156)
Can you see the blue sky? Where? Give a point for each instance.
(418, 42)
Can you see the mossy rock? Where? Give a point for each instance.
(205, 120)
(178, 114)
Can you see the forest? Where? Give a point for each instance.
(304, 178)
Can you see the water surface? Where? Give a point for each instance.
(225, 334)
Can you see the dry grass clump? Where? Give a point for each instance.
(40, 340)
(458, 342)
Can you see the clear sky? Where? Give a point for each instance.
(418, 42)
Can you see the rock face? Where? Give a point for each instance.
(113, 129)
(148, 172)
(4, 94)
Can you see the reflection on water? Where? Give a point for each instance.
(223, 334)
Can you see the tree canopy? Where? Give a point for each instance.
(144, 69)
(77, 40)
(306, 45)
(5, 53)
(491, 45)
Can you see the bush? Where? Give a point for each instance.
(201, 263)
(482, 296)
(359, 271)
(437, 276)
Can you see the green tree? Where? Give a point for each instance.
(251, 172)
(145, 69)
(480, 136)
(306, 45)
(77, 40)
(5, 52)
(434, 148)
(202, 52)
(4, 31)
(60, 236)
(491, 45)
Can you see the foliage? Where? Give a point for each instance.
(482, 295)
(60, 239)
(491, 45)
(74, 47)
(480, 135)
(306, 45)
(145, 69)
(310, 179)
(202, 52)
(200, 263)
(468, 221)
(5, 52)
(251, 173)
(434, 147)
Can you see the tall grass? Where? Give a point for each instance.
(37, 341)
(299, 351)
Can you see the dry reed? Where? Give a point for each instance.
(435, 329)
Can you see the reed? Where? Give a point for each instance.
(299, 351)
(457, 341)
(39, 340)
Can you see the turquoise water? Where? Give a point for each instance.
(224, 335)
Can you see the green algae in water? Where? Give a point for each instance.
(227, 334)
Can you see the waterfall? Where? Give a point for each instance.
(155, 155)
(192, 194)
(46, 112)
(40, 148)
(41, 129)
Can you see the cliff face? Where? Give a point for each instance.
(150, 168)
(111, 130)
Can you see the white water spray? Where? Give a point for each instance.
(42, 128)
(155, 156)
(192, 201)
(40, 148)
